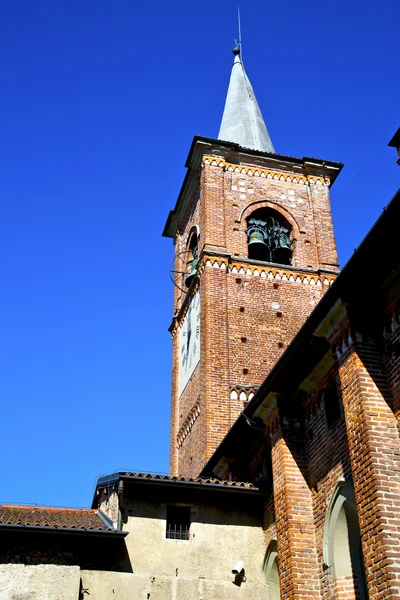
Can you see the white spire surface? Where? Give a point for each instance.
(242, 121)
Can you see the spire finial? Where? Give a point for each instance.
(237, 51)
(240, 36)
(242, 122)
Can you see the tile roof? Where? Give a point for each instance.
(212, 481)
(84, 519)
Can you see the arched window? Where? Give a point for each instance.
(342, 543)
(271, 571)
(192, 257)
(268, 237)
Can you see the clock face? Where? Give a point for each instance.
(189, 346)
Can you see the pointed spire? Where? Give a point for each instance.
(242, 121)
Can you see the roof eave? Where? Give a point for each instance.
(192, 163)
(395, 141)
(114, 478)
(63, 530)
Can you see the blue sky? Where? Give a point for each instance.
(100, 102)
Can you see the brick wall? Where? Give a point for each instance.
(328, 462)
(248, 308)
(374, 447)
(298, 560)
(391, 339)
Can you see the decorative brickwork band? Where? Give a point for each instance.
(267, 173)
(188, 424)
(374, 447)
(297, 556)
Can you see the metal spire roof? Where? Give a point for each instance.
(242, 121)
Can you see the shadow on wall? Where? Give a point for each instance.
(229, 511)
(87, 551)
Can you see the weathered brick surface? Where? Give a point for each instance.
(298, 561)
(391, 337)
(248, 308)
(346, 589)
(250, 313)
(374, 447)
(328, 461)
(269, 524)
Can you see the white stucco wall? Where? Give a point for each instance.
(39, 582)
(200, 568)
(127, 586)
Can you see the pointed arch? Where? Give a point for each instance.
(342, 551)
(271, 571)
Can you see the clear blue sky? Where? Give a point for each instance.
(99, 105)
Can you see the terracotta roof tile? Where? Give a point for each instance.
(222, 483)
(54, 518)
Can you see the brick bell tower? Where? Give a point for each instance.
(254, 252)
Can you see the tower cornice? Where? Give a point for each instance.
(232, 157)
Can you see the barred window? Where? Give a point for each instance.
(178, 522)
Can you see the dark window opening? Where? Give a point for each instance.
(268, 236)
(192, 260)
(332, 404)
(178, 522)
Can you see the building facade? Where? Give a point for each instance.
(322, 435)
(285, 425)
(254, 253)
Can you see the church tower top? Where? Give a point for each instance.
(242, 121)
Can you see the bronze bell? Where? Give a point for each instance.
(283, 247)
(192, 272)
(257, 246)
(256, 237)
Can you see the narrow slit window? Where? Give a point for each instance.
(178, 522)
(332, 405)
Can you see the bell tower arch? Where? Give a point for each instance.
(263, 256)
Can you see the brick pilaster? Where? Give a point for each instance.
(297, 556)
(213, 235)
(216, 352)
(374, 447)
(173, 454)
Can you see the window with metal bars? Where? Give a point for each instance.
(178, 522)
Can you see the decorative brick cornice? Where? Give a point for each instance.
(188, 424)
(265, 173)
(238, 267)
(276, 273)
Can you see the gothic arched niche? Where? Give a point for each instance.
(268, 236)
(271, 571)
(342, 540)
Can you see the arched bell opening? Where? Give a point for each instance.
(192, 258)
(269, 237)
